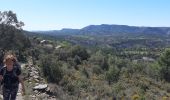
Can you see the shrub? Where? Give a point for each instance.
(77, 60)
(79, 51)
(51, 68)
(99, 59)
(63, 54)
(165, 65)
(97, 70)
(113, 74)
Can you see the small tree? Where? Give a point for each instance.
(100, 60)
(10, 19)
(11, 34)
(165, 65)
(104, 64)
(51, 68)
(80, 51)
(112, 74)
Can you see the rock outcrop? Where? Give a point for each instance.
(40, 88)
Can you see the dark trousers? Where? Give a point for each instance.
(10, 93)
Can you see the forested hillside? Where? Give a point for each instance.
(107, 66)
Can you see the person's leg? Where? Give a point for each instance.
(14, 93)
(6, 93)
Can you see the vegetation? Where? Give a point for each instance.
(12, 36)
(165, 63)
(96, 72)
(51, 69)
(135, 66)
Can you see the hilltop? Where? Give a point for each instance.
(105, 29)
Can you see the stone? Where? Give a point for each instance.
(36, 80)
(40, 87)
(35, 76)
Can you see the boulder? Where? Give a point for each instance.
(40, 87)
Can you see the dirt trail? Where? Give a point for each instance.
(19, 94)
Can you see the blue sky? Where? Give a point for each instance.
(58, 14)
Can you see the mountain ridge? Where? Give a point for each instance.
(107, 29)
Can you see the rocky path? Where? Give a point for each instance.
(40, 87)
(19, 94)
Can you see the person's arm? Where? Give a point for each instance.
(1, 74)
(22, 84)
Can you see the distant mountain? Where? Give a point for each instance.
(106, 29)
(65, 31)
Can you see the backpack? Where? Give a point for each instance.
(14, 73)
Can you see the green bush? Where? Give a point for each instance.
(51, 68)
(63, 54)
(112, 74)
(77, 60)
(79, 51)
(13, 39)
(165, 65)
(99, 59)
(97, 70)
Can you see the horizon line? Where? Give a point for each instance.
(96, 25)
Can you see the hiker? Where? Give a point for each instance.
(10, 77)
